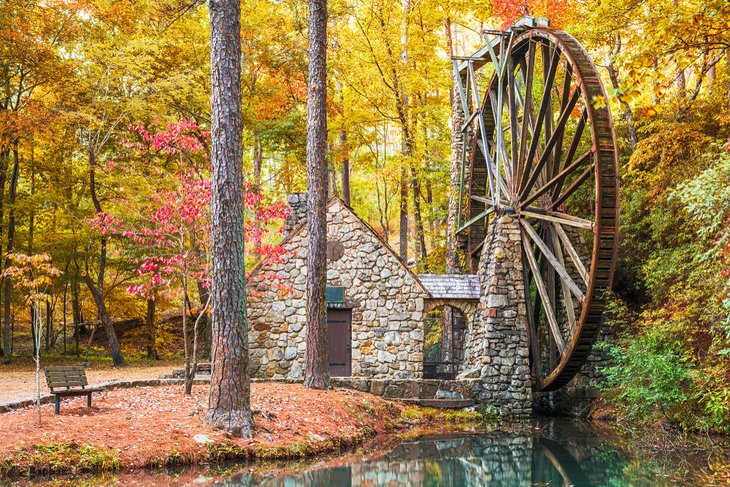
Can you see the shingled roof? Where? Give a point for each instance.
(451, 286)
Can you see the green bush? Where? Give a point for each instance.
(654, 378)
(650, 378)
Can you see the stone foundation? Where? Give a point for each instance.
(426, 392)
(497, 347)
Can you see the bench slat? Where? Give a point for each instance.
(75, 392)
(65, 376)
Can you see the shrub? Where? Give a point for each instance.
(650, 378)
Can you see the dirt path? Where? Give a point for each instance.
(18, 381)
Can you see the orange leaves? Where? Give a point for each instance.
(32, 274)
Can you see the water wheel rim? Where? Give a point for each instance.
(605, 187)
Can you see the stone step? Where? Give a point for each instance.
(181, 374)
(442, 403)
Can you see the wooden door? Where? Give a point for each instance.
(339, 339)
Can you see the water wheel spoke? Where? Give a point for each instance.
(482, 141)
(557, 134)
(572, 253)
(495, 182)
(554, 262)
(484, 214)
(564, 103)
(558, 179)
(514, 133)
(548, 72)
(544, 297)
(531, 322)
(545, 102)
(547, 272)
(574, 186)
(528, 69)
(558, 217)
(573, 148)
(567, 297)
(499, 130)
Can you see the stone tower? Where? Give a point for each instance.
(497, 347)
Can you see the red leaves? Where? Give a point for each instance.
(105, 223)
(558, 11)
(183, 135)
(174, 231)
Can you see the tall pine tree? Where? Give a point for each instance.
(316, 374)
(229, 405)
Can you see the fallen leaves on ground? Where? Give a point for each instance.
(147, 423)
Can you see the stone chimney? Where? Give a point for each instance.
(297, 212)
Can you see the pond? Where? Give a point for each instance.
(542, 453)
(561, 453)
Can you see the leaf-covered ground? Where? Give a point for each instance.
(159, 425)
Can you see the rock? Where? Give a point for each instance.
(442, 394)
(290, 353)
(202, 439)
(470, 374)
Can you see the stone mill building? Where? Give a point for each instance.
(376, 305)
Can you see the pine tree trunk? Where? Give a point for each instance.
(4, 158)
(49, 325)
(345, 167)
(229, 405)
(316, 371)
(403, 216)
(189, 374)
(420, 233)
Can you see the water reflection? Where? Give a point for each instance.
(535, 458)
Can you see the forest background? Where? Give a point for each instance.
(104, 164)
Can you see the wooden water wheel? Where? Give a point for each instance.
(540, 145)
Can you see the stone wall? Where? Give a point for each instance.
(386, 299)
(297, 212)
(497, 346)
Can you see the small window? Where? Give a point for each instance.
(335, 296)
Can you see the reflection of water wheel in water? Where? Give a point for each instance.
(567, 468)
(553, 166)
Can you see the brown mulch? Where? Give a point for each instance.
(148, 423)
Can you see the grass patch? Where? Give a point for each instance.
(434, 416)
(60, 457)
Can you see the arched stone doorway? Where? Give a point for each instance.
(445, 325)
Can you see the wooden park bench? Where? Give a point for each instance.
(73, 378)
(203, 368)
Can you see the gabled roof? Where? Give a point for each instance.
(335, 200)
(386, 246)
(451, 286)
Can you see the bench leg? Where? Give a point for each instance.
(88, 401)
(58, 404)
